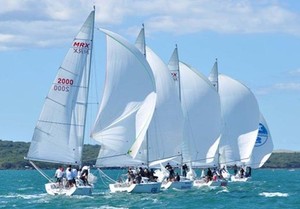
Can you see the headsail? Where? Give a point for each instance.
(122, 118)
(59, 134)
(240, 115)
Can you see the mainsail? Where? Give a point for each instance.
(240, 116)
(164, 135)
(59, 134)
(201, 107)
(127, 105)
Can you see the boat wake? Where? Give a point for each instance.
(274, 194)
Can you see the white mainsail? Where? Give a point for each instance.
(202, 114)
(59, 134)
(201, 106)
(164, 135)
(127, 105)
(213, 76)
(263, 146)
(240, 116)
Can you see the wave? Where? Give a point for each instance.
(274, 194)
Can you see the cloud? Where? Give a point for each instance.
(50, 22)
(294, 72)
(278, 87)
(287, 86)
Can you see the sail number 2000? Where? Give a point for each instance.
(63, 84)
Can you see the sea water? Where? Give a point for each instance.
(268, 189)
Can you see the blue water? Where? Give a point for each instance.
(268, 189)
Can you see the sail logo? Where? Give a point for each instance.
(174, 76)
(262, 136)
(81, 47)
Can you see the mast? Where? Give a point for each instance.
(89, 76)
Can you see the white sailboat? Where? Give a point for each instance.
(202, 116)
(59, 133)
(263, 146)
(240, 116)
(165, 133)
(125, 113)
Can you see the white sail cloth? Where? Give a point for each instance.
(165, 133)
(263, 146)
(127, 105)
(59, 134)
(202, 112)
(240, 115)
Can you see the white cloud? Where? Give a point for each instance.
(51, 21)
(295, 72)
(287, 86)
(278, 87)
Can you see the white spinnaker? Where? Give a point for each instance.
(59, 134)
(263, 146)
(201, 107)
(120, 122)
(240, 116)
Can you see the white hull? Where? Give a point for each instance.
(185, 184)
(55, 189)
(149, 187)
(239, 179)
(204, 183)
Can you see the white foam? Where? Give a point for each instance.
(274, 194)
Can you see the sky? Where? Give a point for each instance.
(256, 42)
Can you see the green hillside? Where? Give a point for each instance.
(12, 157)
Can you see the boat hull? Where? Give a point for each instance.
(239, 179)
(203, 183)
(150, 187)
(55, 189)
(186, 184)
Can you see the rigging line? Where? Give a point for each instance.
(41, 172)
(111, 156)
(106, 176)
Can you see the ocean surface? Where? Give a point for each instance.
(269, 189)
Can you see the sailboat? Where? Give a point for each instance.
(165, 133)
(126, 111)
(263, 145)
(202, 116)
(240, 116)
(59, 133)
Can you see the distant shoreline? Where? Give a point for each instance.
(13, 153)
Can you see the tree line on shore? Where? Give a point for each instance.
(12, 157)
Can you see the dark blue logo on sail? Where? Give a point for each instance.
(262, 136)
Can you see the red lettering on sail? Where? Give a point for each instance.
(81, 44)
